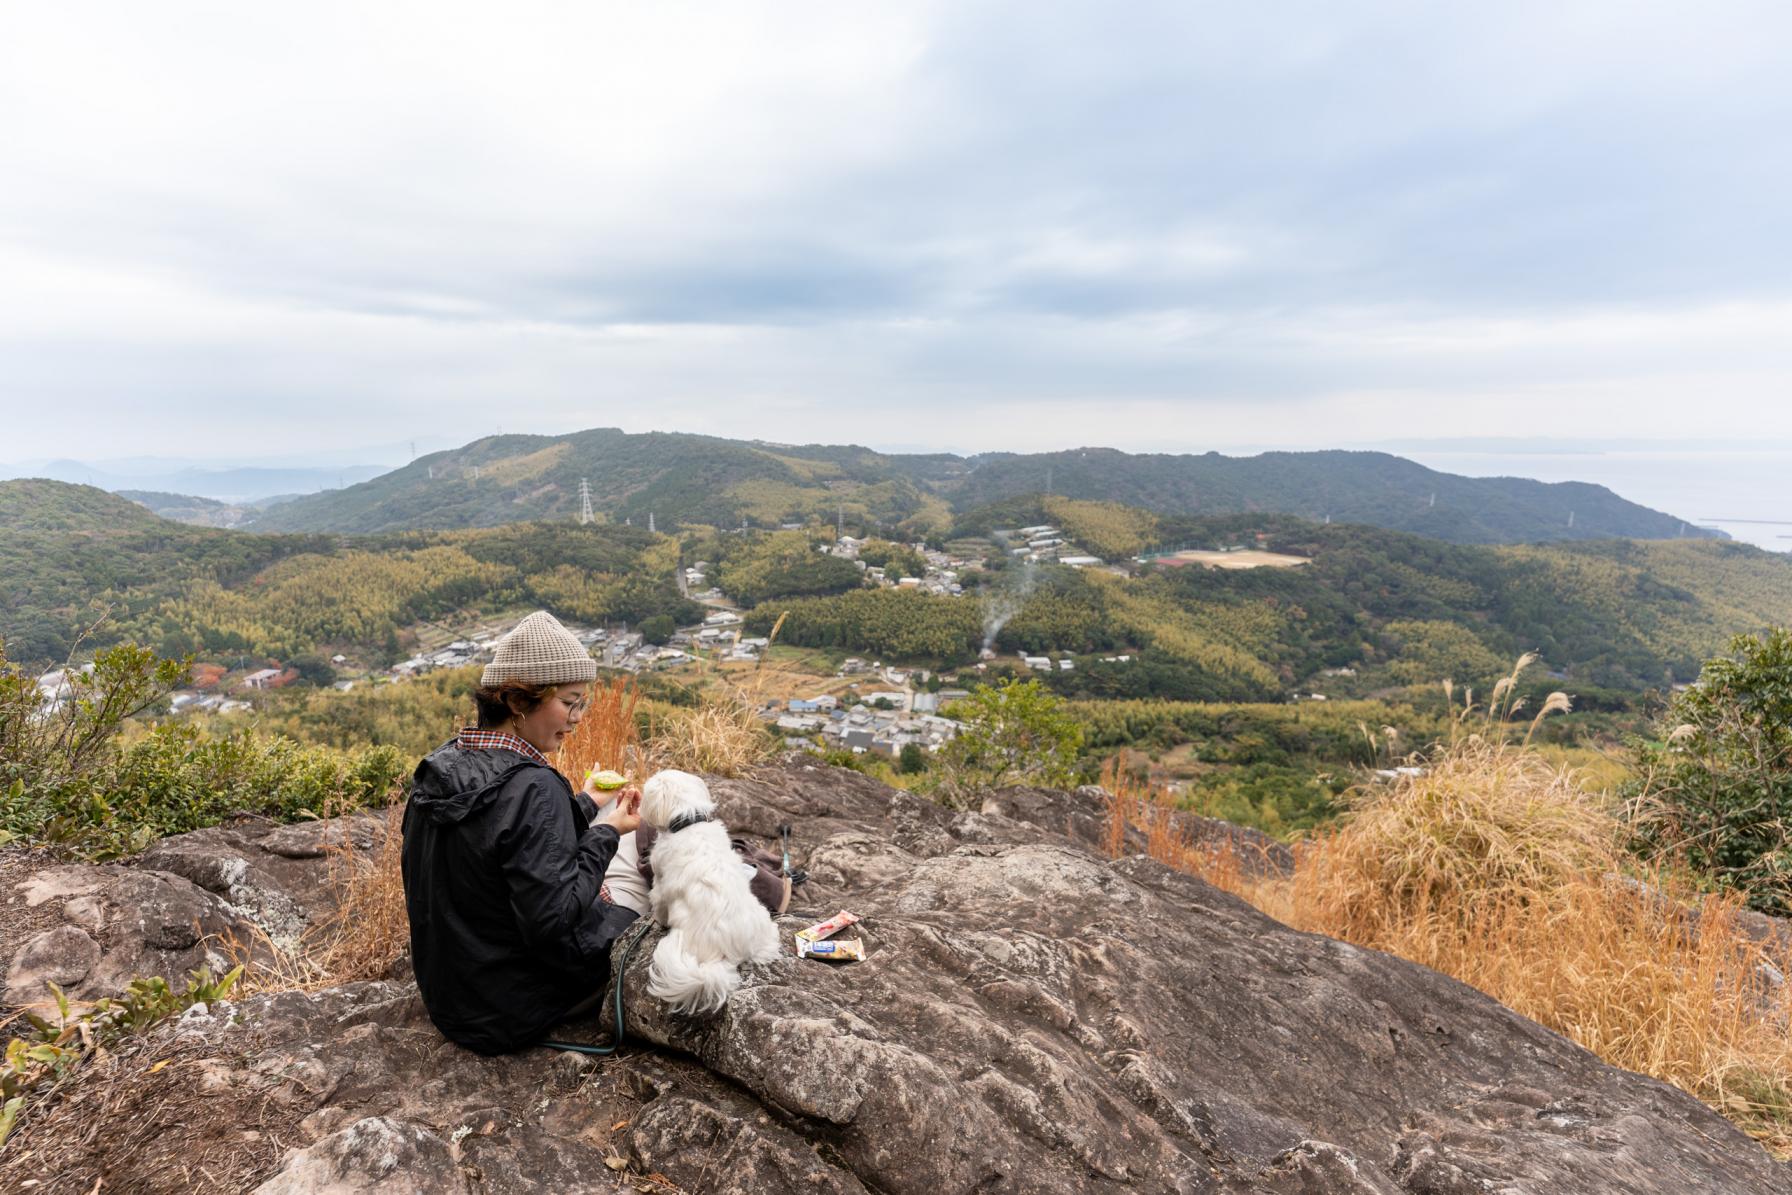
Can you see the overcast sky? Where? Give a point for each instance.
(241, 229)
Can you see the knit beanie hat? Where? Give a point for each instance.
(539, 651)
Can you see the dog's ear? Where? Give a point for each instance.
(653, 801)
(669, 793)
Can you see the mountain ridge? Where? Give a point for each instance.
(678, 478)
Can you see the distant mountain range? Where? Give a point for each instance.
(231, 485)
(680, 479)
(201, 512)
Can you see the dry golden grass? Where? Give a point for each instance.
(1138, 804)
(1485, 824)
(723, 736)
(363, 935)
(607, 737)
(1497, 867)
(367, 929)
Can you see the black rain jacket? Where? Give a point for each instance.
(501, 872)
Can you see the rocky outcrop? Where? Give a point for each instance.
(1031, 1017)
(91, 929)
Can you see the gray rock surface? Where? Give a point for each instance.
(1031, 1018)
(116, 923)
(93, 928)
(63, 956)
(376, 1154)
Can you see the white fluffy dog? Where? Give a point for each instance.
(714, 923)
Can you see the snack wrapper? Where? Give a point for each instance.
(825, 929)
(843, 950)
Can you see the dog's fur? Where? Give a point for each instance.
(700, 894)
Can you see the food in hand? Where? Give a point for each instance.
(606, 781)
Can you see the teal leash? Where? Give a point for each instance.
(634, 936)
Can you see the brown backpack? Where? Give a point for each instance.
(769, 883)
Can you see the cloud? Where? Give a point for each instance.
(1016, 225)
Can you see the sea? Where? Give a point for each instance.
(1744, 492)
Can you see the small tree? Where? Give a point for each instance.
(50, 738)
(1015, 733)
(314, 669)
(911, 760)
(1715, 785)
(658, 629)
(54, 738)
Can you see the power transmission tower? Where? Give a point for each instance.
(1571, 518)
(585, 515)
(650, 526)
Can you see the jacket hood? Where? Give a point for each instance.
(452, 784)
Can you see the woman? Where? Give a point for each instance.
(503, 861)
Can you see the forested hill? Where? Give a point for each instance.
(1372, 488)
(1397, 608)
(675, 478)
(683, 479)
(71, 552)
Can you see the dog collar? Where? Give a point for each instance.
(685, 821)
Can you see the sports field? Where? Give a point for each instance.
(1250, 558)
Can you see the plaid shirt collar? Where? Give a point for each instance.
(471, 738)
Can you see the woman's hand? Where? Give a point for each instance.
(625, 814)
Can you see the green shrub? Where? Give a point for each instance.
(1715, 786)
(1283, 801)
(50, 745)
(66, 779)
(177, 778)
(1015, 733)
